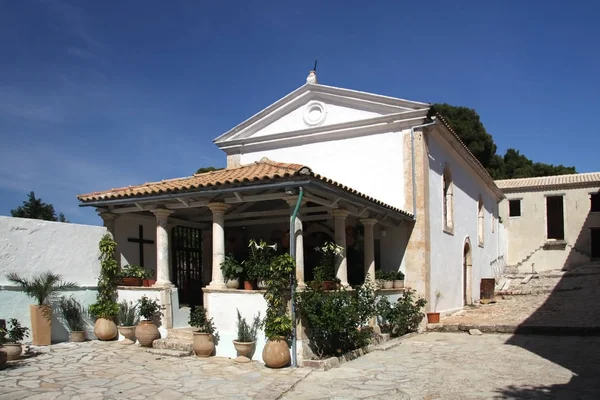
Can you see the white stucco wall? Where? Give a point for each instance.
(370, 164)
(127, 226)
(447, 249)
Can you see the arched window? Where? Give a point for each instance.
(480, 221)
(448, 208)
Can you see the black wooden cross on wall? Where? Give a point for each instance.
(141, 242)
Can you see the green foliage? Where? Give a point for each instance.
(128, 313)
(110, 273)
(366, 302)
(36, 209)
(333, 319)
(397, 276)
(384, 275)
(43, 286)
(207, 169)
(149, 308)
(466, 123)
(246, 332)
(325, 270)
(14, 334)
(231, 268)
(200, 321)
(259, 260)
(72, 312)
(277, 322)
(402, 317)
(134, 271)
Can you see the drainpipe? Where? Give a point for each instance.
(414, 181)
(293, 276)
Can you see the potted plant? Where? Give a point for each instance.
(41, 288)
(232, 270)
(245, 343)
(398, 280)
(128, 319)
(386, 279)
(147, 332)
(106, 309)
(324, 273)
(132, 275)
(277, 323)
(148, 280)
(72, 313)
(434, 317)
(256, 268)
(206, 333)
(11, 338)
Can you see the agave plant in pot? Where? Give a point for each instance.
(245, 343)
(232, 270)
(128, 319)
(206, 334)
(42, 288)
(72, 313)
(147, 331)
(11, 338)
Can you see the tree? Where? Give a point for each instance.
(467, 125)
(207, 169)
(35, 208)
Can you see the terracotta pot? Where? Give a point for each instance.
(129, 333)
(248, 285)
(328, 285)
(398, 284)
(131, 282)
(3, 357)
(232, 283)
(146, 332)
(13, 351)
(245, 349)
(41, 328)
(387, 284)
(276, 353)
(433, 317)
(77, 336)
(148, 282)
(204, 344)
(105, 329)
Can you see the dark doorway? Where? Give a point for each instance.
(467, 267)
(555, 221)
(187, 264)
(595, 251)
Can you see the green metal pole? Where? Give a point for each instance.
(293, 277)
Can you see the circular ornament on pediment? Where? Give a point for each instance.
(314, 113)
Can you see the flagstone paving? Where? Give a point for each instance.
(428, 366)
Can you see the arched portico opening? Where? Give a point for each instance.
(467, 273)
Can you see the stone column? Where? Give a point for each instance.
(369, 248)
(297, 235)
(162, 248)
(206, 256)
(218, 243)
(340, 239)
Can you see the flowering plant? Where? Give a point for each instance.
(259, 262)
(330, 252)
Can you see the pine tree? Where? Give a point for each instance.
(35, 208)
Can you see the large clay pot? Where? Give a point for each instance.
(232, 283)
(129, 333)
(245, 350)
(105, 329)
(77, 336)
(13, 351)
(3, 357)
(146, 332)
(276, 353)
(41, 328)
(204, 344)
(398, 284)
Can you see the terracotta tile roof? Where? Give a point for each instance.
(263, 170)
(557, 181)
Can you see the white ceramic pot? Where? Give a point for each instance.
(232, 283)
(398, 284)
(387, 284)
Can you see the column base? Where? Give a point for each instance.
(163, 284)
(301, 285)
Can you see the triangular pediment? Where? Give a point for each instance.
(312, 106)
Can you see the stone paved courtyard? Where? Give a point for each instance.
(428, 366)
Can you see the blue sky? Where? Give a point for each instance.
(95, 95)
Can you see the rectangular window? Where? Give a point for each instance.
(555, 219)
(595, 199)
(514, 208)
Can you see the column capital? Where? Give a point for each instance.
(293, 200)
(340, 213)
(107, 215)
(368, 222)
(161, 212)
(218, 207)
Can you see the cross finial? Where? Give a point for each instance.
(315, 67)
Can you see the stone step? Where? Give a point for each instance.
(172, 344)
(183, 334)
(167, 352)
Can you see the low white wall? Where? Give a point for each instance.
(221, 306)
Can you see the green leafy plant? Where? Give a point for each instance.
(128, 313)
(277, 322)
(134, 271)
(231, 268)
(247, 333)
(202, 323)
(397, 276)
(326, 269)
(149, 309)
(106, 306)
(14, 334)
(72, 312)
(366, 302)
(259, 260)
(402, 317)
(384, 276)
(41, 287)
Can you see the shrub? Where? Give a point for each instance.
(106, 306)
(149, 308)
(247, 333)
(231, 268)
(128, 313)
(277, 322)
(73, 313)
(14, 334)
(366, 302)
(402, 317)
(202, 323)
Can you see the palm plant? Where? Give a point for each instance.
(43, 286)
(128, 313)
(72, 313)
